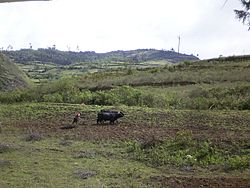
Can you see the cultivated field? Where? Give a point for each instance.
(149, 147)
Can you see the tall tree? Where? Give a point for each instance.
(244, 15)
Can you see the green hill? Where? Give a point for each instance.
(209, 84)
(66, 58)
(44, 65)
(11, 76)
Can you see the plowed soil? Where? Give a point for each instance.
(141, 126)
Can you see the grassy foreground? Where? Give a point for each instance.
(138, 152)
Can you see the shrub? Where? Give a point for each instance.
(127, 95)
(85, 97)
(104, 98)
(237, 163)
(55, 97)
(245, 104)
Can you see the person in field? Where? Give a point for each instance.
(76, 118)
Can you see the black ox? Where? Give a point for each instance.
(108, 115)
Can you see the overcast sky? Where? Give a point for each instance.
(205, 26)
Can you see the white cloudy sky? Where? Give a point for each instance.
(205, 26)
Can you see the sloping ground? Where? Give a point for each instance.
(11, 76)
(226, 70)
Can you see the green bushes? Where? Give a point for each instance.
(18, 96)
(234, 98)
(245, 104)
(121, 95)
(184, 151)
(199, 98)
(237, 163)
(55, 97)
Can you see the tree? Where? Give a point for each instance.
(244, 15)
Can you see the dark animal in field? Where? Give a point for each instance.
(108, 115)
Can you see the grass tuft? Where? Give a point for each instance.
(33, 137)
(85, 174)
(5, 148)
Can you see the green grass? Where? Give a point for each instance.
(47, 164)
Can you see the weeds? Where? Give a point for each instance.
(84, 174)
(33, 137)
(183, 151)
(5, 163)
(84, 154)
(5, 148)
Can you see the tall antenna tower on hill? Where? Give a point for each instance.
(179, 42)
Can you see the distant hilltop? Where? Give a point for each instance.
(52, 55)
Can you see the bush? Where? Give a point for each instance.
(237, 163)
(85, 97)
(104, 98)
(127, 95)
(245, 104)
(55, 97)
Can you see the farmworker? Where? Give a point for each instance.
(76, 118)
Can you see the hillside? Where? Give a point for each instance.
(184, 125)
(208, 84)
(11, 76)
(213, 71)
(66, 58)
